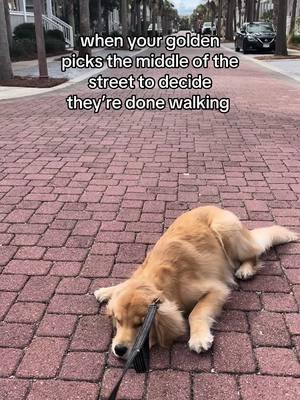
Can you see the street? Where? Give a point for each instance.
(84, 196)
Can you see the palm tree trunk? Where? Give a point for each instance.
(40, 39)
(281, 42)
(124, 17)
(239, 4)
(99, 17)
(275, 12)
(293, 18)
(8, 24)
(70, 14)
(234, 16)
(250, 10)
(145, 18)
(133, 16)
(257, 10)
(138, 18)
(229, 20)
(85, 29)
(220, 9)
(5, 62)
(153, 17)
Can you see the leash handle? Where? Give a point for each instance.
(140, 365)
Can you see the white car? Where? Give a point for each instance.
(208, 29)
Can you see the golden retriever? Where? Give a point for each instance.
(190, 270)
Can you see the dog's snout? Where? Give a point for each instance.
(120, 350)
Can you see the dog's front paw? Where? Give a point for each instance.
(103, 294)
(246, 271)
(293, 236)
(244, 274)
(201, 343)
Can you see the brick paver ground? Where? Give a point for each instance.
(82, 198)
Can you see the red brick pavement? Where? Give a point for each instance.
(83, 196)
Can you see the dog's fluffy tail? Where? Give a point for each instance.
(265, 238)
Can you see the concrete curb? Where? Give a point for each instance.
(10, 92)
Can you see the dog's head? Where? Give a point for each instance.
(128, 308)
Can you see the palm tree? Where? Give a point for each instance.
(250, 10)
(169, 14)
(275, 12)
(124, 21)
(40, 39)
(198, 15)
(85, 29)
(220, 12)
(281, 42)
(8, 24)
(239, 6)
(145, 27)
(109, 5)
(5, 62)
(138, 18)
(70, 14)
(293, 18)
(132, 5)
(257, 10)
(153, 16)
(230, 10)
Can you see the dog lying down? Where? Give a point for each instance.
(190, 270)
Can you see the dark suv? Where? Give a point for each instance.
(255, 36)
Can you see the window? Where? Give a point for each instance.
(259, 28)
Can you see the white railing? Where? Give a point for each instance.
(18, 17)
(56, 23)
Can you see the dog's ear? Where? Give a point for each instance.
(169, 323)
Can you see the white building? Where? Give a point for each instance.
(267, 5)
(22, 11)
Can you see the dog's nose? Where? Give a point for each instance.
(120, 350)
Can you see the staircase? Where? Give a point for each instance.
(18, 17)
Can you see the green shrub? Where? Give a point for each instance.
(295, 39)
(54, 46)
(26, 30)
(55, 34)
(24, 48)
(115, 34)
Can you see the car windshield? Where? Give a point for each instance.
(258, 28)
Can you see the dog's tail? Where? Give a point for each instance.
(265, 238)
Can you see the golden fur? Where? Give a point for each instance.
(190, 270)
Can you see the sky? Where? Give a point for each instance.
(186, 7)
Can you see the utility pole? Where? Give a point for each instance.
(40, 39)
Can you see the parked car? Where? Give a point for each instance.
(255, 36)
(208, 29)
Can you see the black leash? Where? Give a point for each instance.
(139, 355)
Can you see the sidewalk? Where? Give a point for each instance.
(74, 75)
(288, 67)
(83, 198)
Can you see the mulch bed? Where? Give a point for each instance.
(271, 58)
(31, 57)
(33, 82)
